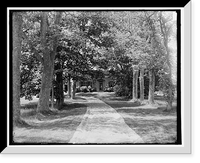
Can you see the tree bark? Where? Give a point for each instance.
(151, 87)
(48, 65)
(69, 86)
(60, 93)
(43, 104)
(170, 93)
(166, 36)
(134, 86)
(170, 100)
(73, 89)
(141, 84)
(59, 82)
(16, 55)
(52, 97)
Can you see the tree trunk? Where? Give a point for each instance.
(166, 36)
(142, 85)
(170, 100)
(46, 85)
(73, 89)
(60, 93)
(43, 104)
(59, 82)
(52, 97)
(16, 54)
(151, 87)
(48, 65)
(69, 86)
(170, 94)
(134, 86)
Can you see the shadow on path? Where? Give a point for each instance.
(56, 128)
(102, 124)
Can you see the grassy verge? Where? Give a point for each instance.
(56, 128)
(154, 125)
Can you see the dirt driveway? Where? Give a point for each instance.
(102, 124)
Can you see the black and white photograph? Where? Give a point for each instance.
(96, 77)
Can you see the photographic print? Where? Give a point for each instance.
(98, 81)
(93, 77)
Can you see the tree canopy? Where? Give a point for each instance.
(86, 42)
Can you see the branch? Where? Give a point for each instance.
(43, 30)
(149, 16)
(55, 38)
(161, 26)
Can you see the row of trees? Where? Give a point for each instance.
(145, 38)
(50, 47)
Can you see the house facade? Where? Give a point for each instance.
(97, 84)
(104, 82)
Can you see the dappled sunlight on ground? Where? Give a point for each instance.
(151, 122)
(58, 127)
(102, 124)
(154, 130)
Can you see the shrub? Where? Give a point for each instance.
(84, 89)
(108, 89)
(93, 89)
(121, 90)
(164, 85)
(78, 89)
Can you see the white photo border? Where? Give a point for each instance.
(186, 109)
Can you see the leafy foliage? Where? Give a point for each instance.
(93, 42)
(30, 76)
(165, 84)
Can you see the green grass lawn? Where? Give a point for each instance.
(154, 125)
(58, 127)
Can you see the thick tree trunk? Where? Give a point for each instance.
(151, 87)
(43, 104)
(46, 85)
(73, 89)
(60, 93)
(134, 98)
(142, 85)
(16, 54)
(136, 84)
(52, 96)
(170, 93)
(170, 100)
(166, 36)
(48, 65)
(69, 86)
(59, 82)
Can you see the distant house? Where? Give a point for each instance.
(101, 83)
(98, 84)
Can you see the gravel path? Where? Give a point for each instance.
(102, 124)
